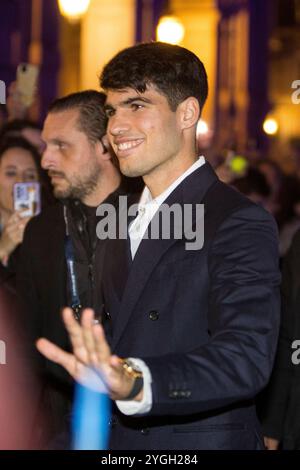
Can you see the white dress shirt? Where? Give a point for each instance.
(146, 210)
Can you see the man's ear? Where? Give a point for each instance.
(189, 111)
(105, 141)
(103, 148)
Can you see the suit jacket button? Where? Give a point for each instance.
(153, 315)
(145, 431)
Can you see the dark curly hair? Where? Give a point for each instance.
(175, 71)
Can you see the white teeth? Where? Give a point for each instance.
(128, 145)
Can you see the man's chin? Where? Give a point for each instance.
(131, 172)
(61, 193)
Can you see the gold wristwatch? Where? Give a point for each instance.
(131, 369)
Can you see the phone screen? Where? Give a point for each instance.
(27, 198)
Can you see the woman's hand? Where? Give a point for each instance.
(12, 234)
(16, 109)
(14, 105)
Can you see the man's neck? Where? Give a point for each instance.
(102, 192)
(159, 180)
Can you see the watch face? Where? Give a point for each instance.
(131, 369)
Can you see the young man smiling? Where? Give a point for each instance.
(199, 326)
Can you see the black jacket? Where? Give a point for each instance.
(42, 285)
(280, 404)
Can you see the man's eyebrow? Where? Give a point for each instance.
(133, 99)
(56, 141)
(136, 98)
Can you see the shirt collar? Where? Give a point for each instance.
(146, 197)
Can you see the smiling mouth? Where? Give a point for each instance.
(128, 145)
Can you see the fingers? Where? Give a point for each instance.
(14, 219)
(101, 346)
(88, 340)
(116, 362)
(90, 349)
(94, 339)
(18, 216)
(57, 355)
(87, 320)
(117, 368)
(26, 219)
(17, 223)
(12, 87)
(120, 383)
(76, 337)
(15, 232)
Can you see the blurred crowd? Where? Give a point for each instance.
(263, 181)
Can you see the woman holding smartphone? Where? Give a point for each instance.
(19, 163)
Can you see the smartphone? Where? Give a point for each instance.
(27, 76)
(27, 198)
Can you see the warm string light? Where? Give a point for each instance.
(170, 30)
(202, 128)
(73, 9)
(270, 126)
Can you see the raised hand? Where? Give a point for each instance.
(91, 363)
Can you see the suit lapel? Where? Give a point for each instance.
(150, 252)
(118, 263)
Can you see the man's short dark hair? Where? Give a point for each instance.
(175, 71)
(92, 119)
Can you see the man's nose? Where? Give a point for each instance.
(118, 124)
(48, 159)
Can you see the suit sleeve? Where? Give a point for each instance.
(243, 317)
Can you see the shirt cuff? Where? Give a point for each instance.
(131, 407)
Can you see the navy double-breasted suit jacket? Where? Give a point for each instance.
(204, 321)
